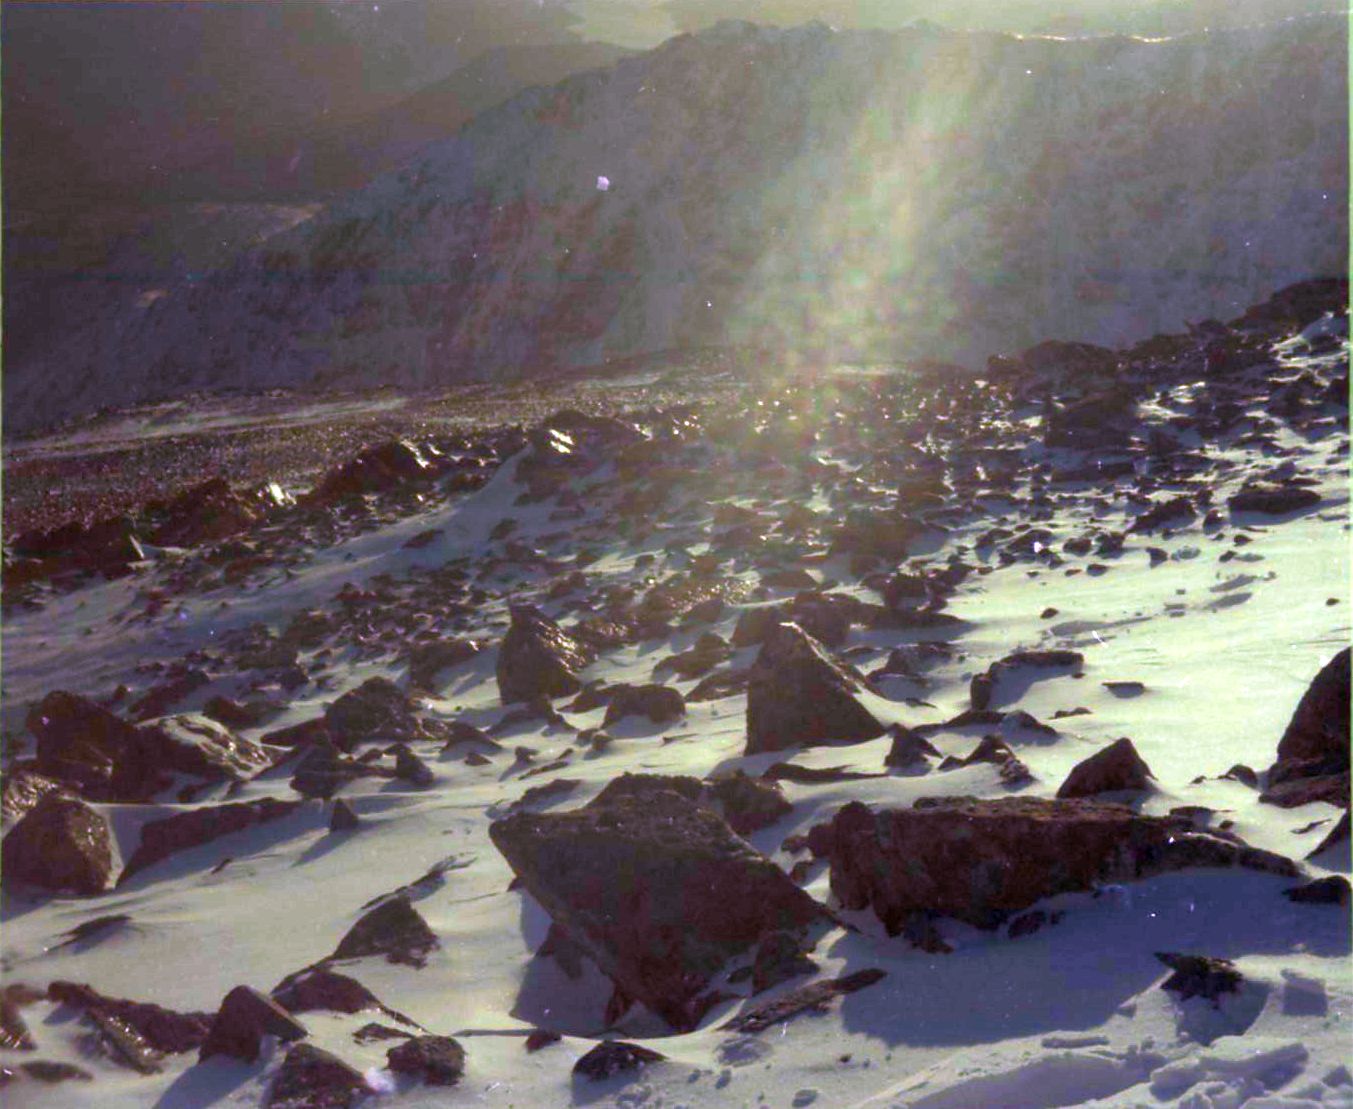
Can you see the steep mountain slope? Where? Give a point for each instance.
(850, 195)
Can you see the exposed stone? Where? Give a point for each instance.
(124, 1043)
(342, 817)
(538, 658)
(779, 957)
(1117, 767)
(411, 768)
(437, 1060)
(199, 746)
(658, 891)
(984, 686)
(1319, 727)
(1272, 498)
(61, 844)
(908, 748)
(24, 788)
(813, 998)
(611, 1057)
(428, 660)
(797, 695)
(748, 804)
(660, 703)
(85, 744)
(980, 861)
(376, 710)
(322, 989)
(374, 470)
(1338, 836)
(312, 1078)
(1199, 976)
(163, 1029)
(172, 834)
(245, 1017)
(394, 929)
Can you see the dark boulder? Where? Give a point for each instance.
(163, 1029)
(909, 749)
(312, 1078)
(985, 686)
(748, 804)
(376, 710)
(1272, 498)
(812, 998)
(660, 703)
(980, 861)
(324, 990)
(84, 744)
(1319, 727)
(375, 470)
(200, 747)
(172, 834)
(61, 844)
(1199, 976)
(659, 891)
(394, 929)
(437, 1060)
(205, 513)
(24, 788)
(538, 658)
(1117, 767)
(428, 660)
(245, 1017)
(611, 1057)
(797, 695)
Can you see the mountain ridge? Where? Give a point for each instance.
(839, 195)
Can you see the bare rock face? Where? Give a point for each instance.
(980, 861)
(84, 744)
(1199, 976)
(376, 710)
(374, 470)
(797, 695)
(163, 1029)
(245, 1017)
(658, 891)
(538, 658)
(62, 844)
(984, 686)
(1273, 498)
(1313, 754)
(394, 929)
(197, 745)
(660, 703)
(162, 838)
(427, 660)
(312, 1078)
(610, 1057)
(1319, 728)
(203, 514)
(749, 804)
(24, 788)
(437, 1060)
(1117, 767)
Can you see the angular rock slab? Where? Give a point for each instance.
(538, 658)
(61, 844)
(796, 695)
(658, 891)
(980, 861)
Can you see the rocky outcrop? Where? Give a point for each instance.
(428, 660)
(796, 695)
(611, 1057)
(200, 747)
(1199, 976)
(435, 1060)
(394, 929)
(980, 861)
(62, 844)
(1117, 767)
(163, 838)
(661, 704)
(85, 744)
(658, 891)
(538, 658)
(247, 1015)
(163, 1029)
(1313, 754)
(312, 1078)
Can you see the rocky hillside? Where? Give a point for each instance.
(854, 195)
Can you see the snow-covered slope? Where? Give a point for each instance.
(859, 194)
